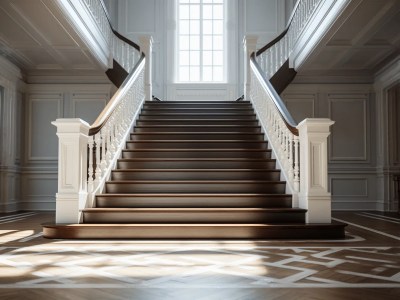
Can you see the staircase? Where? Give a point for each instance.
(195, 170)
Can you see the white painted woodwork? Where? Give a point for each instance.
(146, 46)
(79, 181)
(283, 142)
(352, 143)
(314, 195)
(72, 182)
(249, 46)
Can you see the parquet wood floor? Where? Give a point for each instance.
(365, 265)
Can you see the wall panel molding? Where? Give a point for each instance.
(344, 137)
(42, 110)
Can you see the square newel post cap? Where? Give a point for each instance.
(71, 126)
(315, 125)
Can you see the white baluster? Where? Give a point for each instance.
(103, 164)
(296, 164)
(108, 141)
(90, 167)
(98, 159)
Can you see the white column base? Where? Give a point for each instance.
(318, 208)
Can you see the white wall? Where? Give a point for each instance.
(11, 89)
(45, 103)
(264, 18)
(352, 143)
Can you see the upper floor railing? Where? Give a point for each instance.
(273, 55)
(124, 51)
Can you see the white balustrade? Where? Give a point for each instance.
(300, 150)
(86, 159)
(274, 57)
(125, 54)
(87, 154)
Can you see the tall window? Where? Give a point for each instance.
(201, 41)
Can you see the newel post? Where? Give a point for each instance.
(249, 46)
(72, 168)
(146, 46)
(314, 195)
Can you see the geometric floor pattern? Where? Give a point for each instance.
(127, 266)
(368, 258)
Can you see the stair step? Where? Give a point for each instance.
(194, 231)
(193, 215)
(195, 186)
(197, 136)
(187, 163)
(196, 144)
(180, 122)
(196, 153)
(195, 174)
(198, 116)
(186, 110)
(193, 200)
(197, 105)
(198, 128)
(205, 102)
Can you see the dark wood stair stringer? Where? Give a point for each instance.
(195, 169)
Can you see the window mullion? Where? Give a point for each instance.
(201, 41)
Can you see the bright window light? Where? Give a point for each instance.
(201, 49)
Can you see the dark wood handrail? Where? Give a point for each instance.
(285, 114)
(113, 103)
(120, 36)
(279, 37)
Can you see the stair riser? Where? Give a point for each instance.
(211, 201)
(163, 122)
(198, 129)
(199, 117)
(194, 136)
(196, 145)
(195, 175)
(196, 165)
(176, 217)
(198, 105)
(196, 154)
(193, 232)
(156, 111)
(126, 188)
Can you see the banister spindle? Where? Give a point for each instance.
(98, 158)
(90, 166)
(103, 163)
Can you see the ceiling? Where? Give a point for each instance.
(367, 40)
(35, 36)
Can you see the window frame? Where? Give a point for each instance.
(201, 49)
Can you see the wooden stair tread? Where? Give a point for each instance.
(196, 133)
(197, 150)
(197, 141)
(192, 209)
(196, 181)
(198, 159)
(194, 195)
(317, 225)
(196, 170)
